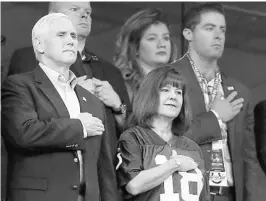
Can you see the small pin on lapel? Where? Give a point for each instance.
(230, 88)
(83, 98)
(94, 57)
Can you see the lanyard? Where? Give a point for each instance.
(211, 94)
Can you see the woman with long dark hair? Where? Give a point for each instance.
(155, 161)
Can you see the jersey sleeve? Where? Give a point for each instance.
(129, 159)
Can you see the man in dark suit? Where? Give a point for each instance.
(56, 132)
(110, 87)
(260, 131)
(222, 112)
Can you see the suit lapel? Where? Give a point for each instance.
(97, 70)
(231, 126)
(78, 68)
(194, 89)
(50, 92)
(96, 67)
(88, 102)
(84, 106)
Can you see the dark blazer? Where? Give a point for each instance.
(23, 60)
(42, 141)
(205, 129)
(260, 130)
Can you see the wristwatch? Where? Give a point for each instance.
(121, 109)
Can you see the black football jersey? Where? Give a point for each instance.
(141, 149)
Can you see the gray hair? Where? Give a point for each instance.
(41, 28)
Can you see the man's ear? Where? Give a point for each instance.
(38, 43)
(187, 33)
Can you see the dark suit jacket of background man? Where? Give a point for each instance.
(42, 141)
(205, 129)
(23, 60)
(260, 130)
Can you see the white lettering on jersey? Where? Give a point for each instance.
(191, 177)
(169, 194)
(119, 161)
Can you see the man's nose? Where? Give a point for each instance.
(84, 14)
(71, 40)
(219, 34)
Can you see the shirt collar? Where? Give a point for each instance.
(54, 76)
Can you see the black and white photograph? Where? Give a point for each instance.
(133, 101)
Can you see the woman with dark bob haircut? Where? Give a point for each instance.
(144, 43)
(156, 162)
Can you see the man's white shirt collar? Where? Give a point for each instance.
(54, 76)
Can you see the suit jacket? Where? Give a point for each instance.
(23, 60)
(260, 130)
(42, 141)
(205, 129)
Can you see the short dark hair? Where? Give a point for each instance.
(192, 17)
(128, 42)
(146, 101)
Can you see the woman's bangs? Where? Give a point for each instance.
(173, 80)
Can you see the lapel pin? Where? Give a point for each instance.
(230, 88)
(83, 98)
(94, 58)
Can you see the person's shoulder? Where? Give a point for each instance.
(19, 80)
(24, 51)
(106, 65)
(22, 77)
(96, 58)
(188, 144)
(22, 60)
(180, 63)
(132, 134)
